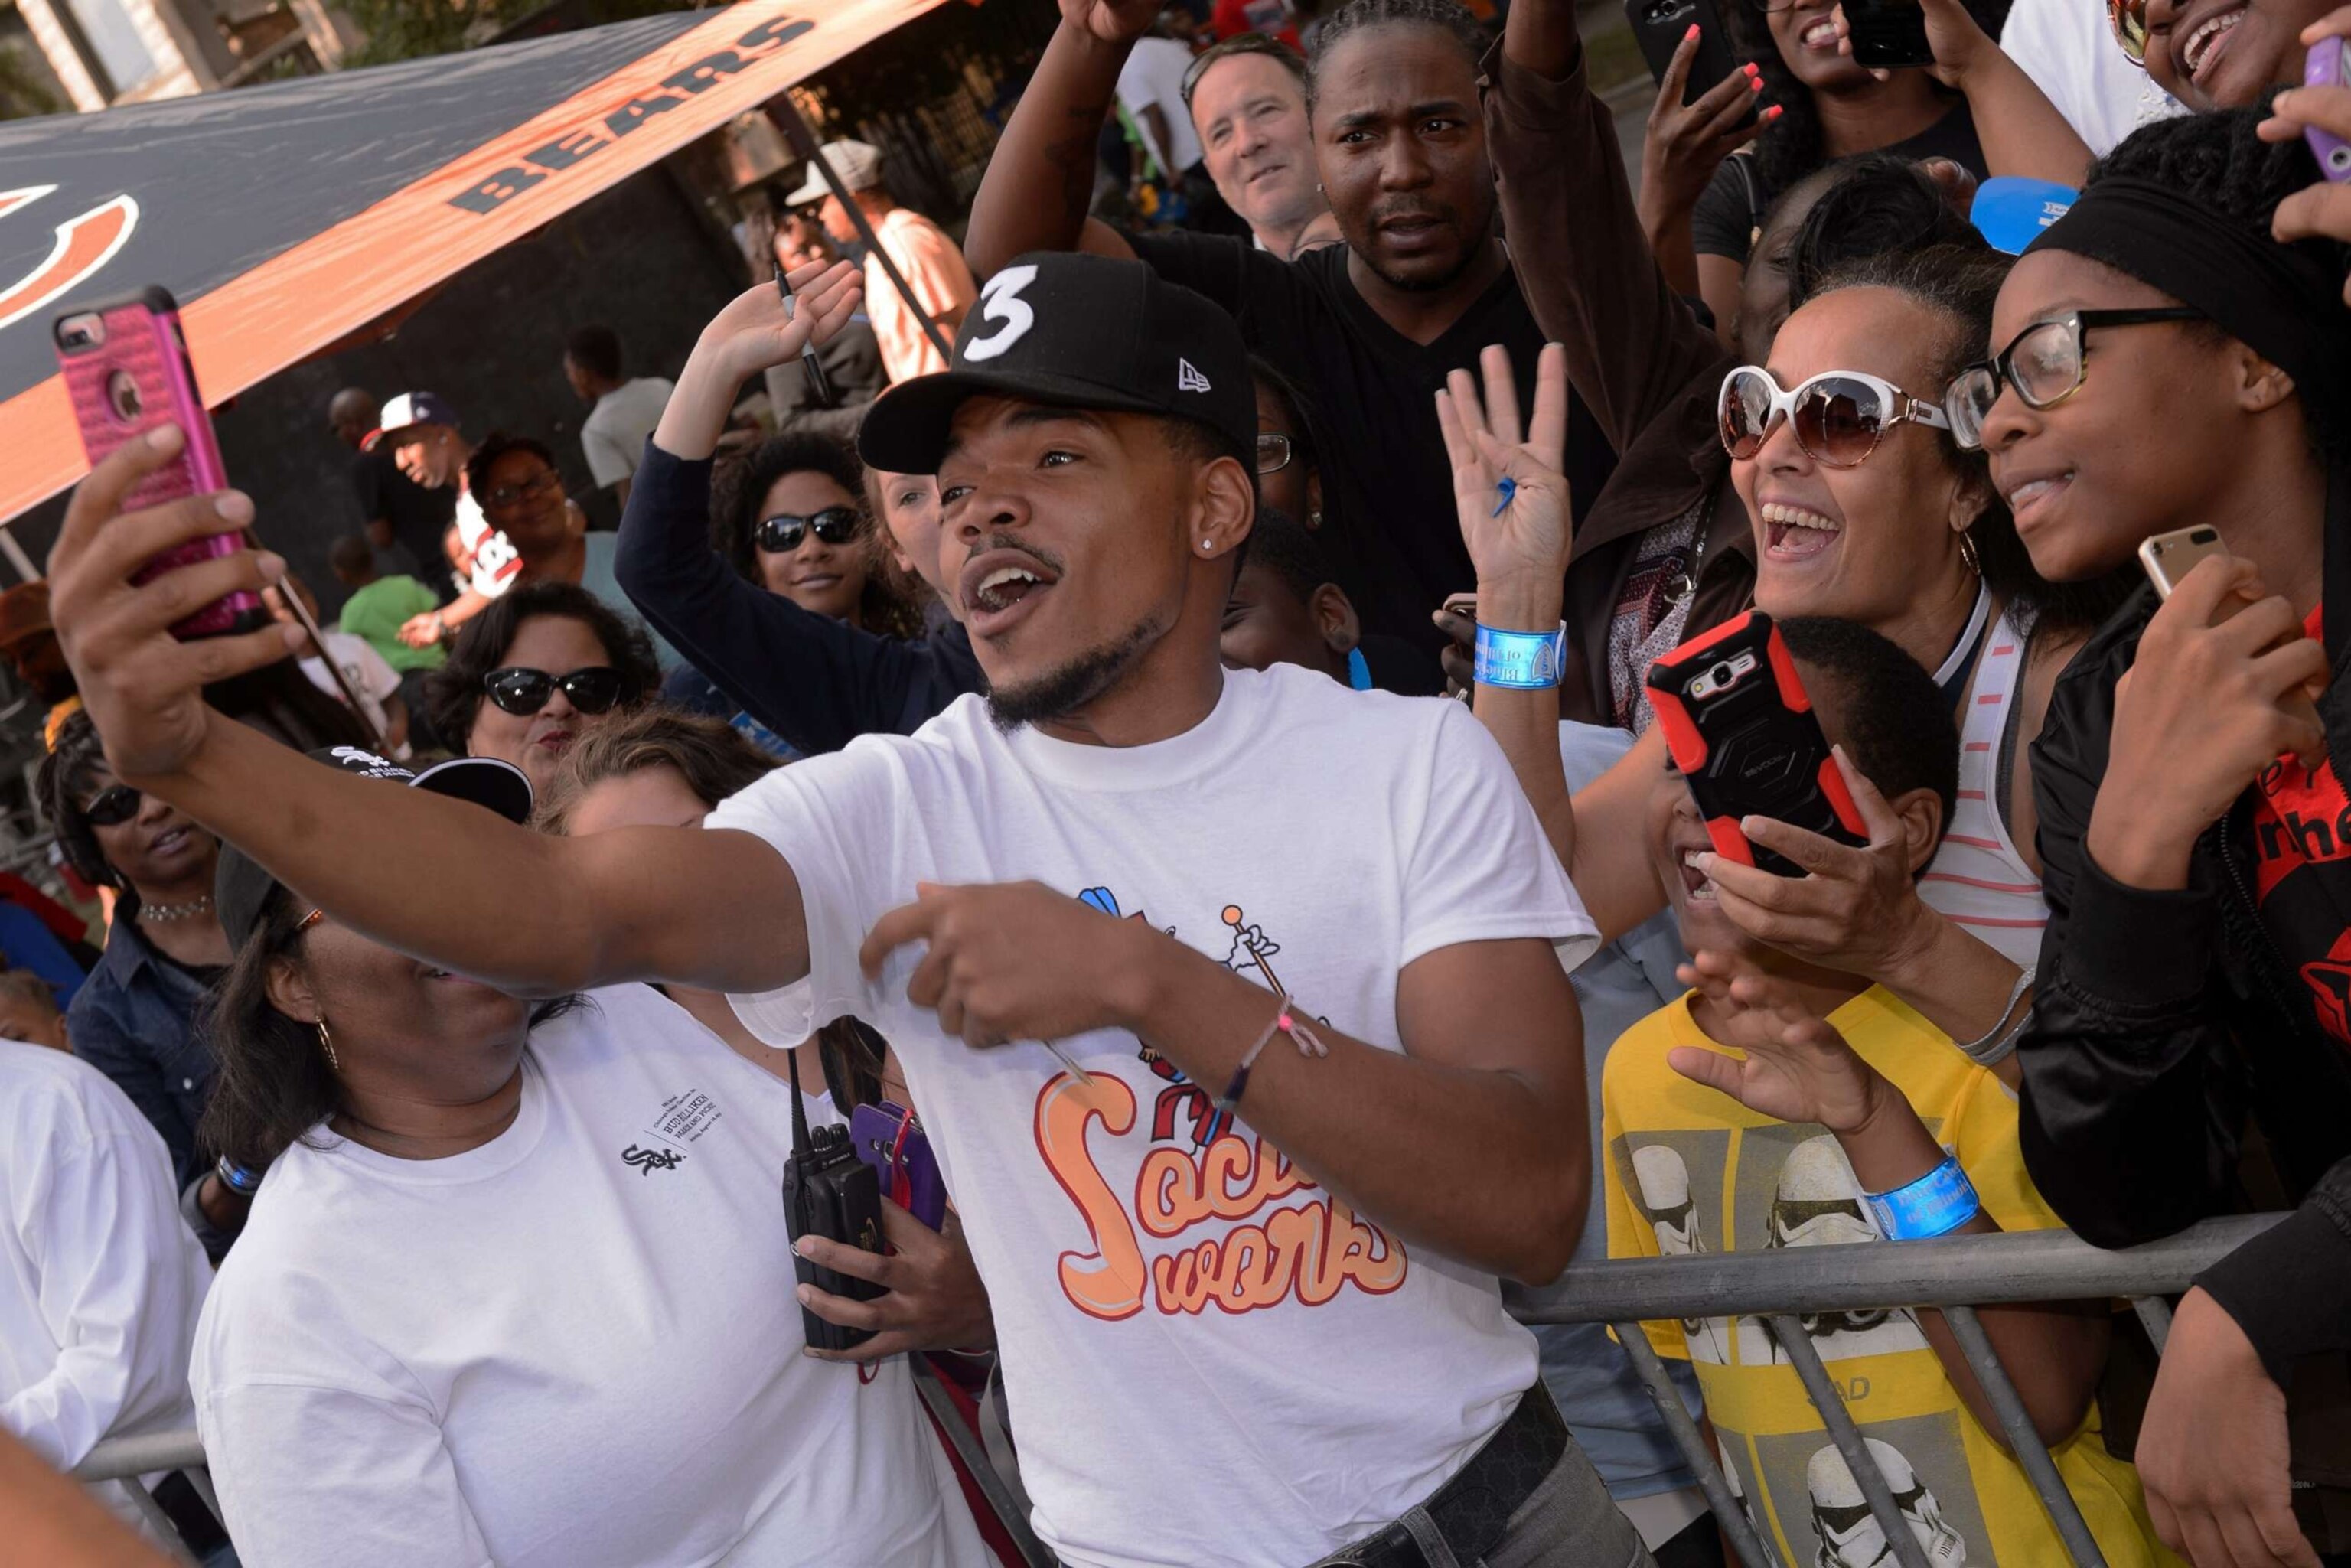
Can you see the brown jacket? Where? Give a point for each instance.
(1639, 358)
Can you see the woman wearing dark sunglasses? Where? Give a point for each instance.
(791, 518)
(2163, 363)
(542, 664)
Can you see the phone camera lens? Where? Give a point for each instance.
(123, 397)
(1721, 674)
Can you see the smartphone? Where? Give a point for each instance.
(1888, 34)
(2167, 558)
(1659, 26)
(1743, 734)
(126, 370)
(2328, 64)
(889, 1138)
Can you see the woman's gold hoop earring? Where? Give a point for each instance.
(1967, 553)
(326, 1044)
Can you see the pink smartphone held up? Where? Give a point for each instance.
(126, 369)
(2328, 64)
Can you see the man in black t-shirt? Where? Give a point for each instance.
(395, 509)
(1369, 329)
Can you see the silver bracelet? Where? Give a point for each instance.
(1997, 1043)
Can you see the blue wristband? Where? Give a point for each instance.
(1935, 1205)
(1521, 661)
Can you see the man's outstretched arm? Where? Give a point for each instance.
(437, 878)
(1041, 178)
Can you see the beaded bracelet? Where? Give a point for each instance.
(1284, 1022)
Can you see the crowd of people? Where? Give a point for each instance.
(1162, 715)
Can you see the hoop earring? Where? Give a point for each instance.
(1967, 553)
(326, 1044)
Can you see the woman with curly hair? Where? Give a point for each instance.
(792, 518)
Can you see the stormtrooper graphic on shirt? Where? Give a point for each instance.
(1816, 1202)
(1849, 1533)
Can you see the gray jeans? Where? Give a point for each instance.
(1569, 1522)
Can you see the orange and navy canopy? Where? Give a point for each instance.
(286, 217)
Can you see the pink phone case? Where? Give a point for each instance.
(126, 369)
(2328, 64)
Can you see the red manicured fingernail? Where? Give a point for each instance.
(1751, 67)
(1691, 34)
(1755, 84)
(1773, 112)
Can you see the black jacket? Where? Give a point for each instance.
(817, 682)
(2161, 1019)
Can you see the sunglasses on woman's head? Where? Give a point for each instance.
(782, 534)
(113, 807)
(1839, 416)
(2047, 363)
(524, 693)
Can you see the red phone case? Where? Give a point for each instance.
(135, 377)
(1743, 734)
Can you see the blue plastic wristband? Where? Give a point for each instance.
(1521, 661)
(1935, 1205)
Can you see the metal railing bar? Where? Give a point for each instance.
(119, 1458)
(1798, 1345)
(1728, 1517)
(158, 1521)
(1969, 1270)
(2023, 1441)
(2155, 1316)
(968, 1448)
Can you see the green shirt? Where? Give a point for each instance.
(377, 612)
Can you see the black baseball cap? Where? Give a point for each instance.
(241, 886)
(1072, 330)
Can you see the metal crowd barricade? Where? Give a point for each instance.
(1954, 1275)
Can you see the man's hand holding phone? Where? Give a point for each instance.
(2207, 704)
(143, 687)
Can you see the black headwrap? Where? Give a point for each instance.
(2282, 301)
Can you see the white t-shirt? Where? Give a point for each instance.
(369, 676)
(1327, 836)
(100, 1279)
(1154, 73)
(2068, 48)
(492, 562)
(575, 1345)
(614, 436)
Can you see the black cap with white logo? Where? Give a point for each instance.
(241, 885)
(1074, 331)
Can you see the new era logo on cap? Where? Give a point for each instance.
(1070, 330)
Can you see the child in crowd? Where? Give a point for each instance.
(1781, 1104)
(1286, 609)
(28, 1010)
(378, 606)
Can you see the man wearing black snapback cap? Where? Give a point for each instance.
(1233, 1000)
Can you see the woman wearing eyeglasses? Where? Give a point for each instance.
(2162, 363)
(542, 664)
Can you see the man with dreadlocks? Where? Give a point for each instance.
(1368, 329)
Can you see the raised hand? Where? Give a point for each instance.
(1797, 1067)
(2321, 209)
(1517, 536)
(1958, 41)
(144, 687)
(1112, 21)
(756, 331)
(1686, 143)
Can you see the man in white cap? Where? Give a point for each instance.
(924, 256)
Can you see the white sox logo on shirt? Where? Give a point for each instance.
(84, 243)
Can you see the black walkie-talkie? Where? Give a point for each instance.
(829, 1192)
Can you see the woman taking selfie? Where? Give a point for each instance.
(543, 663)
(2163, 364)
(517, 1287)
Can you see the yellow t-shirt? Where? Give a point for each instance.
(1691, 1170)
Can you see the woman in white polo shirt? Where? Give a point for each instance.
(517, 1287)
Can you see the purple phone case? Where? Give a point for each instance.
(872, 1129)
(2328, 64)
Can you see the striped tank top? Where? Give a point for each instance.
(1977, 880)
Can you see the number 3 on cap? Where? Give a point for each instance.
(1001, 301)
